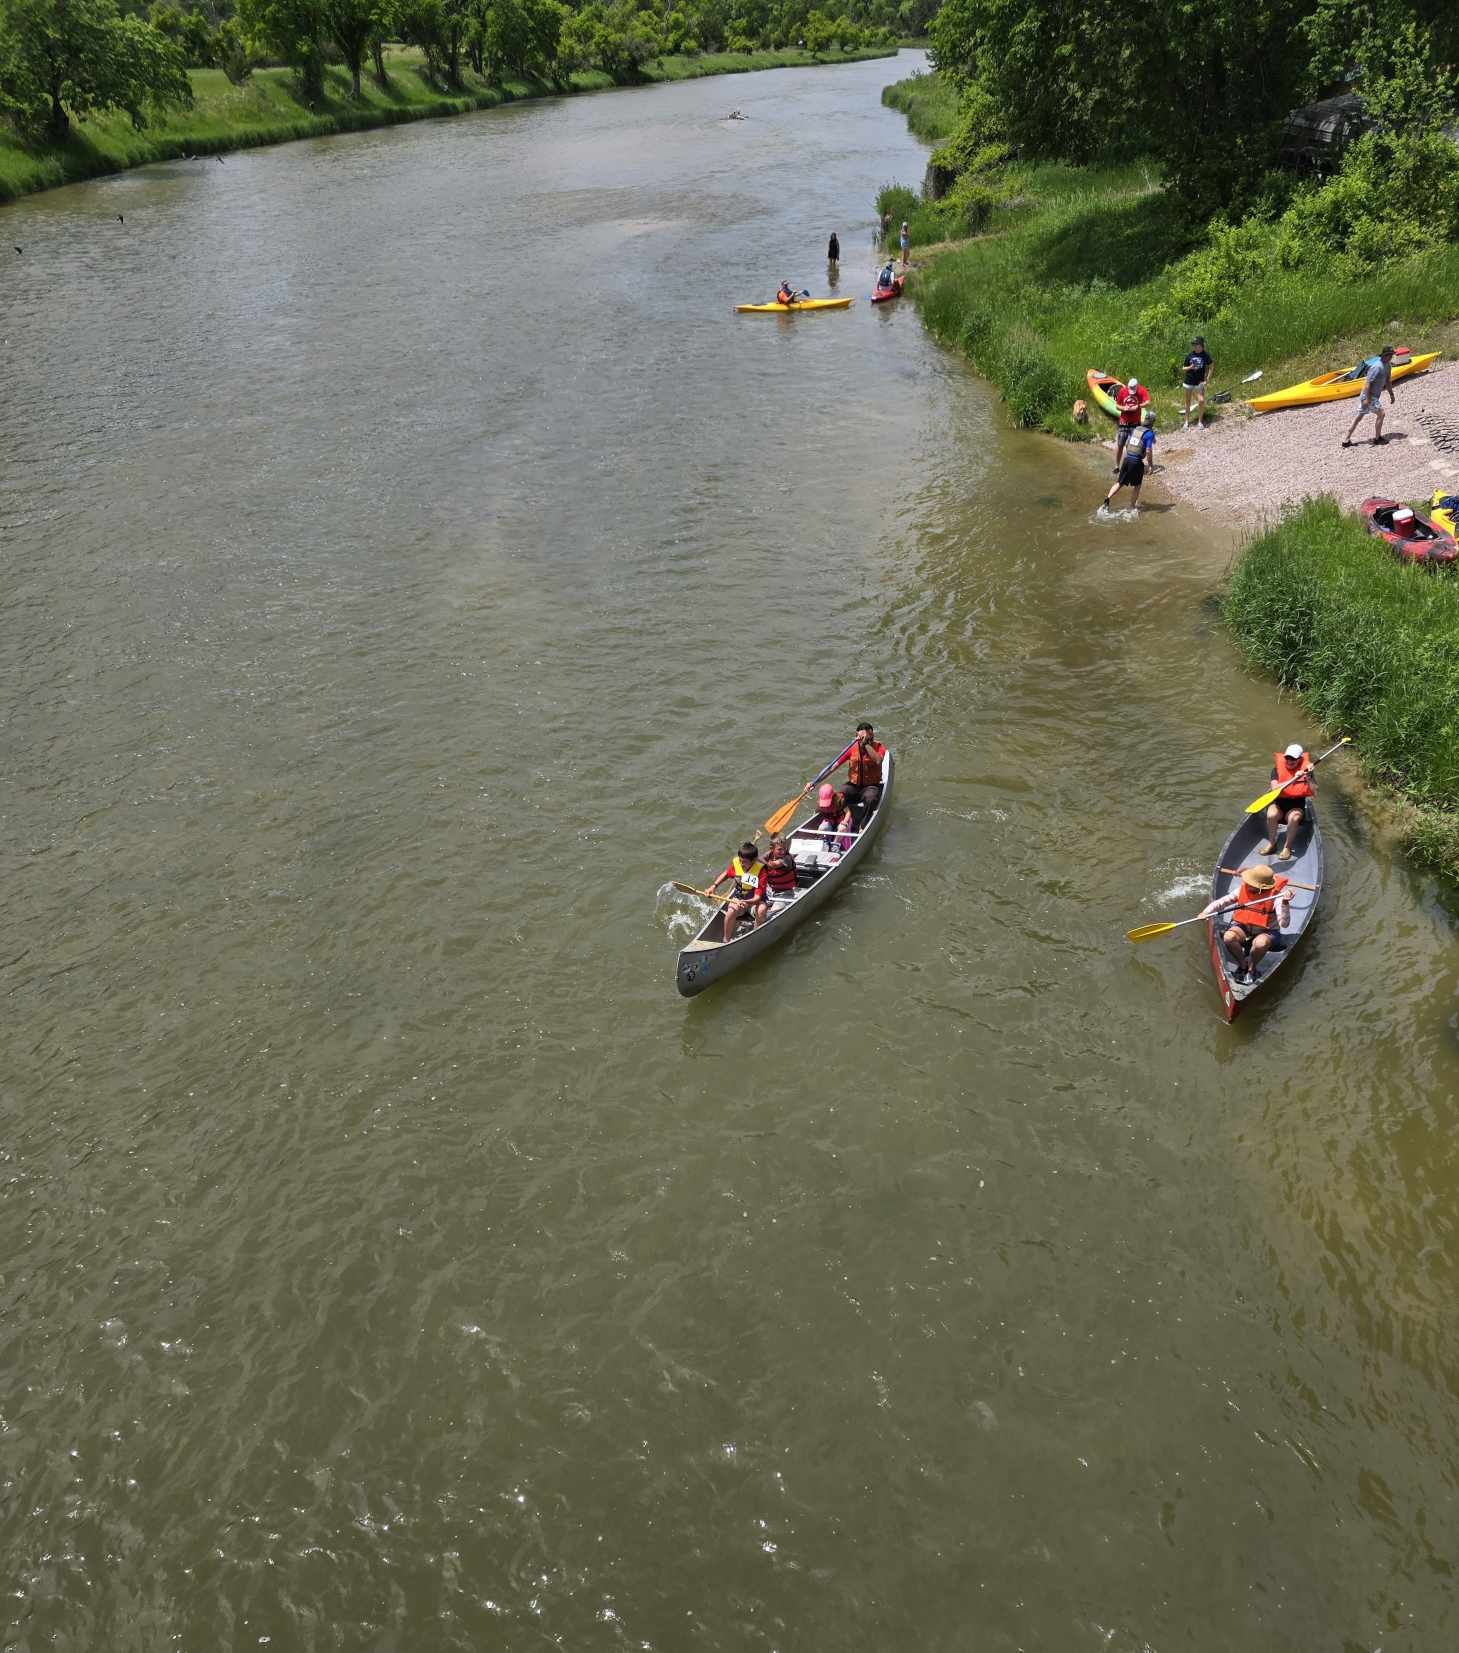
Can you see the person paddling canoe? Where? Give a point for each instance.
(746, 871)
(864, 758)
(1263, 911)
(1292, 771)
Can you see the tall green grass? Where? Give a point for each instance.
(929, 103)
(1370, 646)
(266, 109)
(1077, 265)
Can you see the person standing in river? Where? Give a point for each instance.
(833, 250)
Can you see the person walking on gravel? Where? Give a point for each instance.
(1379, 379)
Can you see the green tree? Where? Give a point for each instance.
(352, 25)
(293, 30)
(1402, 56)
(60, 62)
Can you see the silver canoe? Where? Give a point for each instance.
(1240, 850)
(707, 959)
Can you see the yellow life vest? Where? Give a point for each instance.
(747, 878)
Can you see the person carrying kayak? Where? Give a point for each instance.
(1129, 399)
(1139, 451)
(1378, 378)
(787, 294)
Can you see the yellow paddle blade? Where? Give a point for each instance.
(1259, 804)
(1148, 932)
(781, 817)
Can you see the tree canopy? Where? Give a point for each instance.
(63, 61)
(1203, 87)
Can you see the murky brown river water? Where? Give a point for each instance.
(410, 564)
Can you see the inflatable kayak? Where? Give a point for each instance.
(785, 309)
(882, 294)
(1333, 387)
(1446, 505)
(1409, 537)
(1102, 388)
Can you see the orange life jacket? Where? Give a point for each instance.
(1264, 917)
(1287, 767)
(864, 766)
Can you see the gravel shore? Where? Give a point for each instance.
(1250, 466)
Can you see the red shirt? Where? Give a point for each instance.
(1129, 402)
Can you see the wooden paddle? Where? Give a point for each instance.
(704, 895)
(1259, 804)
(781, 818)
(1150, 931)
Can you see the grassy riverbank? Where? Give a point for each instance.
(1371, 648)
(267, 109)
(1074, 267)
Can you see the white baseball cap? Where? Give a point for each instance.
(1294, 750)
(1133, 384)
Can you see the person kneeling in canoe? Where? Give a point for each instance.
(1263, 910)
(745, 871)
(833, 814)
(1292, 771)
(786, 294)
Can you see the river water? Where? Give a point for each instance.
(411, 564)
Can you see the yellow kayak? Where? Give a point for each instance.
(785, 309)
(1444, 515)
(1332, 387)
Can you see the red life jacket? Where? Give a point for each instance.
(1287, 767)
(864, 767)
(780, 876)
(1263, 916)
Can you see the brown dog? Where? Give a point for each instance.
(1081, 413)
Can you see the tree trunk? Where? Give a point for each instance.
(377, 51)
(60, 120)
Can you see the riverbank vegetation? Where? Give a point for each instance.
(99, 85)
(1132, 193)
(1371, 648)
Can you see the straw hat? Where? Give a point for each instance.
(1258, 877)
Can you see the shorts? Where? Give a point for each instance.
(1192, 390)
(1365, 406)
(1287, 805)
(1132, 473)
(1251, 931)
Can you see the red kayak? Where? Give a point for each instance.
(1410, 536)
(882, 294)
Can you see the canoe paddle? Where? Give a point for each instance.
(1148, 932)
(1225, 395)
(1256, 806)
(691, 889)
(781, 817)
